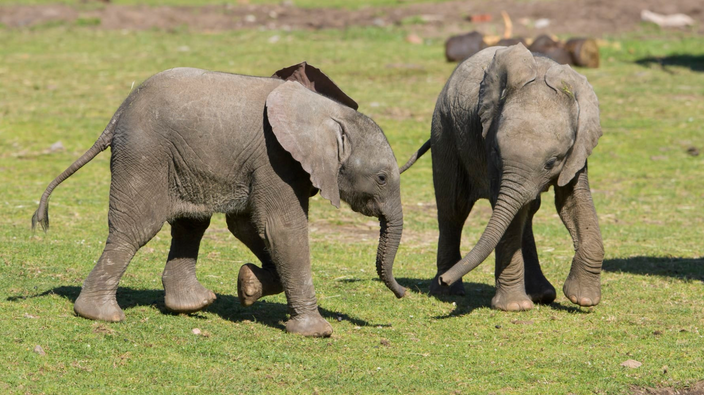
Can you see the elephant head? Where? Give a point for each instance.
(540, 122)
(347, 157)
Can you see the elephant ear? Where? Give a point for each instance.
(511, 69)
(315, 80)
(304, 124)
(563, 79)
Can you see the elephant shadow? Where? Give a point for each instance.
(692, 62)
(228, 307)
(681, 268)
(477, 295)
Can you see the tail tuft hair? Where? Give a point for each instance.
(41, 217)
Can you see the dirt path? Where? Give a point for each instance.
(576, 17)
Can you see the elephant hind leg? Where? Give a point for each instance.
(97, 300)
(138, 209)
(183, 292)
(253, 282)
(538, 287)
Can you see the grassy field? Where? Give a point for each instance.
(64, 83)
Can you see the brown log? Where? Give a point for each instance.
(584, 52)
(507, 42)
(559, 55)
(460, 47)
(542, 44)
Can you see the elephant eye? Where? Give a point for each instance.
(550, 163)
(381, 178)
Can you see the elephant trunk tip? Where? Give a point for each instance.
(456, 272)
(446, 281)
(398, 290)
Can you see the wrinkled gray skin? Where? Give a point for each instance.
(507, 126)
(189, 143)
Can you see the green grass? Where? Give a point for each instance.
(64, 83)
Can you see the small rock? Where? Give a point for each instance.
(274, 39)
(196, 331)
(379, 22)
(39, 350)
(27, 315)
(250, 18)
(339, 318)
(56, 147)
(183, 48)
(673, 20)
(497, 326)
(631, 363)
(385, 342)
(273, 15)
(431, 18)
(693, 151)
(541, 23)
(414, 39)
(657, 333)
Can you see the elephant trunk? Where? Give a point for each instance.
(389, 239)
(511, 197)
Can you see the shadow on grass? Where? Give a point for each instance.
(692, 62)
(226, 306)
(476, 296)
(682, 268)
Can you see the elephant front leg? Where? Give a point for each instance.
(183, 292)
(538, 287)
(510, 283)
(576, 208)
(452, 194)
(287, 242)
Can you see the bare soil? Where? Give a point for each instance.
(594, 18)
(695, 389)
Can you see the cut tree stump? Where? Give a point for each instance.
(584, 52)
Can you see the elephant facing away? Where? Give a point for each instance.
(507, 126)
(189, 143)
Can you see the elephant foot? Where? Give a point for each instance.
(186, 296)
(99, 308)
(254, 282)
(582, 291)
(541, 292)
(457, 288)
(311, 324)
(511, 300)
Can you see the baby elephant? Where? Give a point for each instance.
(189, 143)
(507, 126)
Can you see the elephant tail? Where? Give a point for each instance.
(41, 216)
(422, 150)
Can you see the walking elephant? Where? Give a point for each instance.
(506, 127)
(189, 143)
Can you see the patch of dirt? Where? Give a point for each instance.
(576, 17)
(694, 389)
